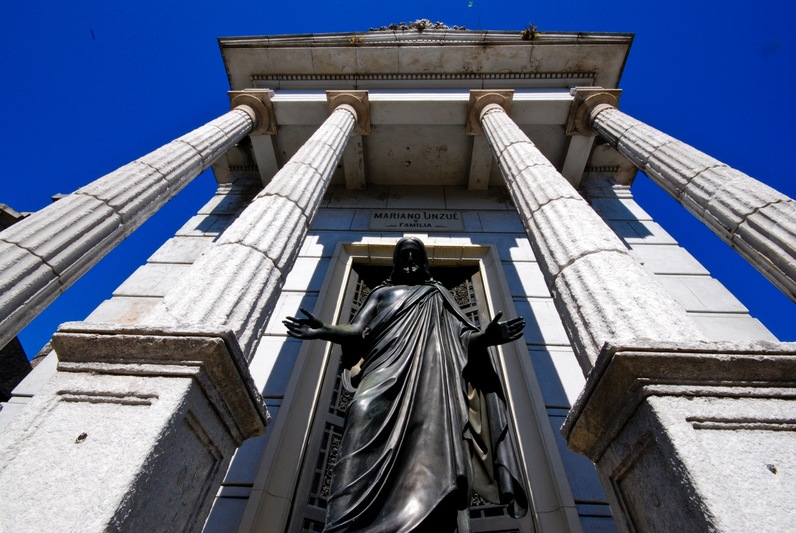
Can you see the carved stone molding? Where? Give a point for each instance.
(166, 352)
(479, 99)
(681, 433)
(479, 76)
(144, 420)
(587, 101)
(259, 102)
(358, 101)
(625, 375)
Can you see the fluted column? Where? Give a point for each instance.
(42, 255)
(601, 292)
(235, 285)
(156, 410)
(756, 220)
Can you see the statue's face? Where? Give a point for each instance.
(410, 263)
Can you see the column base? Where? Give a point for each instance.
(134, 432)
(698, 436)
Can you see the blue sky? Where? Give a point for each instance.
(90, 86)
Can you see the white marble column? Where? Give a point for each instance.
(601, 292)
(144, 419)
(692, 435)
(235, 285)
(756, 220)
(42, 255)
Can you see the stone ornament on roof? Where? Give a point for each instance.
(419, 25)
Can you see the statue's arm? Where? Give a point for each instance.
(497, 332)
(313, 328)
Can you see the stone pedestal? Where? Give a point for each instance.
(134, 432)
(692, 437)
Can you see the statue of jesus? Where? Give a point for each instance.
(427, 424)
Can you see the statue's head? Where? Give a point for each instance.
(410, 262)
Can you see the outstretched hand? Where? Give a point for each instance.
(498, 332)
(304, 328)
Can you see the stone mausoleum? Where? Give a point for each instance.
(642, 396)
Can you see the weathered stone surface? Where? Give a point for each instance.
(638, 143)
(230, 287)
(697, 192)
(135, 190)
(763, 227)
(68, 237)
(681, 162)
(739, 198)
(608, 297)
(29, 277)
(692, 435)
(560, 245)
(123, 401)
(721, 197)
(178, 162)
(210, 143)
(235, 284)
(263, 228)
(601, 293)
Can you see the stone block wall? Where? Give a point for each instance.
(717, 313)
(488, 219)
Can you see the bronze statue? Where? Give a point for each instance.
(427, 424)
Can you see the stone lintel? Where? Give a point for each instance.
(259, 102)
(625, 375)
(214, 358)
(479, 99)
(586, 100)
(358, 101)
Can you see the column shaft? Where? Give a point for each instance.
(234, 286)
(756, 220)
(181, 370)
(42, 255)
(601, 292)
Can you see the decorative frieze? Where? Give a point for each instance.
(259, 78)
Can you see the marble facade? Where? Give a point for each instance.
(630, 345)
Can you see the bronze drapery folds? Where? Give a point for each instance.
(428, 422)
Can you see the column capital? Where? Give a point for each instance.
(587, 101)
(479, 99)
(358, 101)
(258, 101)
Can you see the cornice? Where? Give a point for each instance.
(420, 38)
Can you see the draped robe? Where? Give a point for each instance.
(426, 423)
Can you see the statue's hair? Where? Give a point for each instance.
(395, 274)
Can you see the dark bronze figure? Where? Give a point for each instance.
(428, 422)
